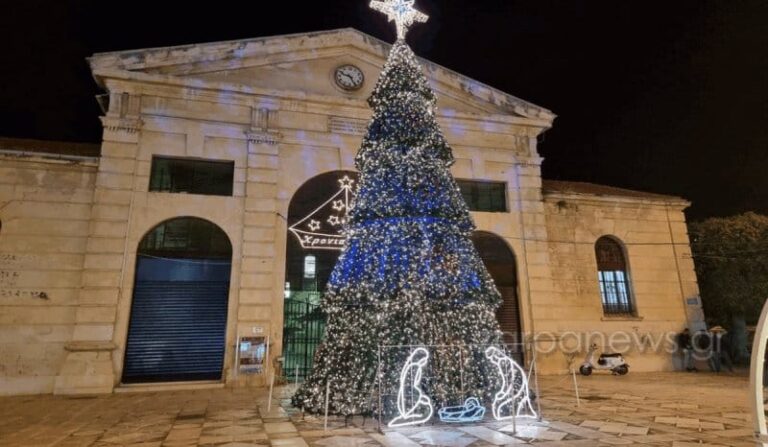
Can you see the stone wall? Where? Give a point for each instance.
(654, 235)
(45, 207)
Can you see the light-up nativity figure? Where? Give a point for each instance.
(413, 406)
(409, 274)
(513, 398)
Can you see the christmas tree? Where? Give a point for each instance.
(409, 274)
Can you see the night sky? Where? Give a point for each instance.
(667, 96)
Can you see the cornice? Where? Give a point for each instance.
(117, 124)
(222, 92)
(270, 138)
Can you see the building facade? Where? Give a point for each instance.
(191, 249)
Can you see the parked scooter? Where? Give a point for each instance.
(612, 362)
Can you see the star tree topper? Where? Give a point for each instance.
(401, 12)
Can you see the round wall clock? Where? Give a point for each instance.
(349, 77)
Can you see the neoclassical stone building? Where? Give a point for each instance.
(207, 222)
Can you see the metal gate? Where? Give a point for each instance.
(303, 332)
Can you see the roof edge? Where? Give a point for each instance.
(100, 61)
(593, 190)
(31, 145)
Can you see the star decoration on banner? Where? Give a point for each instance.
(346, 182)
(323, 228)
(401, 12)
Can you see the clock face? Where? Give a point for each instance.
(349, 77)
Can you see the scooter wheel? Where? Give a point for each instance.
(622, 370)
(585, 370)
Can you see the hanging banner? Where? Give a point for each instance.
(322, 228)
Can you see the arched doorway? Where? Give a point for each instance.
(178, 321)
(315, 217)
(500, 262)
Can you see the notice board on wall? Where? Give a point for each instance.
(252, 354)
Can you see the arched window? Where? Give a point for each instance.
(615, 287)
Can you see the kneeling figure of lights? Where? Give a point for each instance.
(513, 399)
(420, 410)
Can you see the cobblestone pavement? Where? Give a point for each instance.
(660, 409)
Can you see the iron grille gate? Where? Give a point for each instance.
(303, 332)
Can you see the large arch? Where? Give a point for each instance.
(178, 318)
(312, 249)
(501, 264)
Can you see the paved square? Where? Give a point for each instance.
(660, 409)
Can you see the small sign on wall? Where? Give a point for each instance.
(252, 354)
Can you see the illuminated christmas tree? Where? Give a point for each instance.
(409, 274)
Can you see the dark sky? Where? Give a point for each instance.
(668, 96)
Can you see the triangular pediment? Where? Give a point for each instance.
(306, 64)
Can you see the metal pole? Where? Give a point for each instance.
(514, 413)
(296, 376)
(535, 371)
(271, 387)
(327, 397)
(378, 379)
(576, 387)
(461, 371)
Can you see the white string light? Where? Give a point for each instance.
(401, 12)
(308, 230)
(509, 371)
(421, 410)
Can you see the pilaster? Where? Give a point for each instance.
(89, 367)
(535, 267)
(257, 305)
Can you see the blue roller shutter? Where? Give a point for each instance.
(178, 322)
